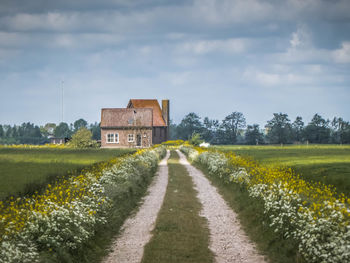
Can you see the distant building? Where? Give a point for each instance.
(57, 140)
(141, 124)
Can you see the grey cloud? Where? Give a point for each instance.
(248, 54)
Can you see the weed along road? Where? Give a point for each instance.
(183, 220)
(227, 240)
(136, 230)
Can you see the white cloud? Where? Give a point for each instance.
(227, 11)
(301, 38)
(207, 46)
(305, 76)
(342, 55)
(49, 21)
(85, 40)
(295, 41)
(301, 49)
(268, 79)
(10, 39)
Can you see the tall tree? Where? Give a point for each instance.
(298, 129)
(96, 131)
(8, 132)
(232, 125)
(81, 123)
(340, 132)
(209, 131)
(62, 130)
(190, 124)
(48, 129)
(1, 131)
(173, 131)
(253, 135)
(318, 131)
(279, 128)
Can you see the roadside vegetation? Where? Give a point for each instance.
(74, 219)
(180, 234)
(307, 222)
(329, 164)
(251, 214)
(24, 170)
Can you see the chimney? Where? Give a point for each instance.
(166, 114)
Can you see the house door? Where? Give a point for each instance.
(138, 140)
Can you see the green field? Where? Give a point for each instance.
(329, 164)
(24, 170)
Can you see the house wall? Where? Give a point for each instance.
(146, 138)
(166, 116)
(159, 135)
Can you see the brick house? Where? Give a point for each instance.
(141, 124)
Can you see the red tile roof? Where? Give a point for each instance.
(115, 117)
(153, 104)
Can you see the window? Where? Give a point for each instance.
(112, 138)
(130, 137)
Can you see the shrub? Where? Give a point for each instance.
(312, 214)
(195, 139)
(83, 139)
(66, 215)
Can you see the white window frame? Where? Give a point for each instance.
(133, 137)
(114, 138)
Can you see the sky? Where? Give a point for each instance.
(211, 57)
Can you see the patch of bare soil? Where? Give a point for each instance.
(136, 231)
(227, 240)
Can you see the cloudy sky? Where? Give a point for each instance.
(211, 57)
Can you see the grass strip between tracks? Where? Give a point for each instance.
(180, 234)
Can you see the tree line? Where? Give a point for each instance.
(29, 133)
(231, 130)
(279, 130)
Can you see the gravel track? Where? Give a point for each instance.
(227, 240)
(136, 231)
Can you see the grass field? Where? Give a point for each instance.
(329, 164)
(24, 170)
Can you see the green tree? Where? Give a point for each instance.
(232, 126)
(253, 135)
(298, 129)
(318, 131)
(96, 131)
(279, 128)
(8, 132)
(80, 124)
(62, 130)
(1, 131)
(340, 132)
(48, 129)
(173, 131)
(208, 131)
(190, 124)
(83, 139)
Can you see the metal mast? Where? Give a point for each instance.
(62, 103)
